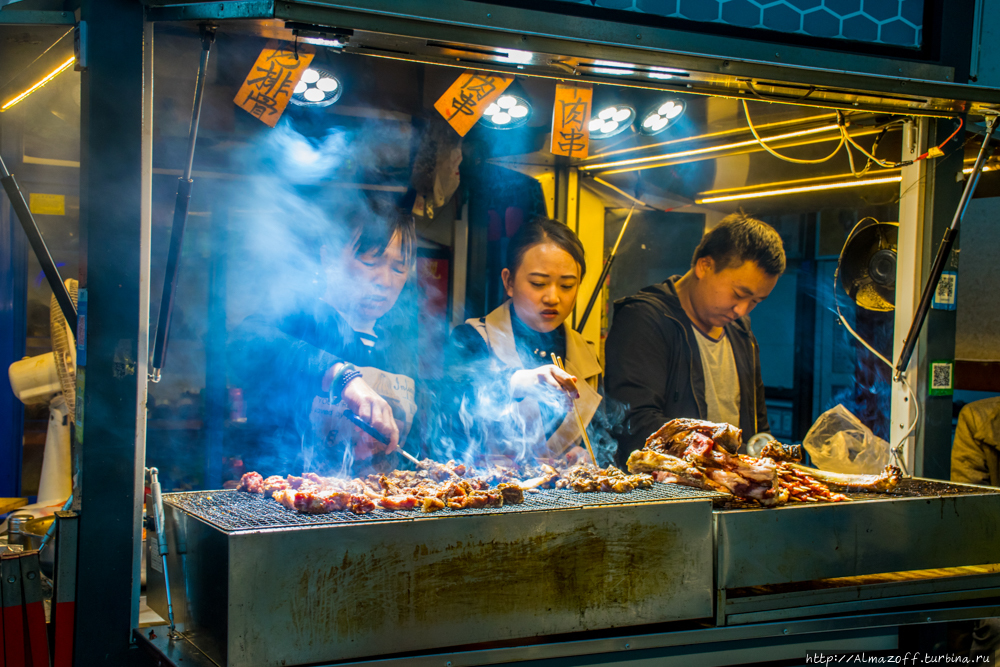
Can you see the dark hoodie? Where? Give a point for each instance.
(654, 366)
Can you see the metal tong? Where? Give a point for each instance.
(370, 430)
(579, 420)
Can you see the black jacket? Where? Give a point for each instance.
(654, 366)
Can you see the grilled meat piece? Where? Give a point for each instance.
(399, 502)
(588, 478)
(432, 504)
(512, 493)
(675, 436)
(884, 481)
(778, 452)
(252, 482)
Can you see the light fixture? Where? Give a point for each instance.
(335, 38)
(44, 80)
(316, 88)
(515, 56)
(840, 185)
(661, 116)
(508, 112)
(612, 67)
(611, 120)
(664, 72)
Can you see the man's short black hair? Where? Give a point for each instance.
(740, 238)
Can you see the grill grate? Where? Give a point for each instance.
(235, 510)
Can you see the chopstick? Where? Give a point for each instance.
(579, 420)
(370, 430)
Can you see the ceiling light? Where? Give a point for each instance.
(325, 41)
(661, 117)
(316, 88)
(508, 112)
(612, 67)
(664, 72)
(515, 56)
(44, 80)
(610, 121)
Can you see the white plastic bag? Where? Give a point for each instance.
(839, 442)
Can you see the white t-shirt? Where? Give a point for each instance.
(722, 384)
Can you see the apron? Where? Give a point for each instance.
(580, 361)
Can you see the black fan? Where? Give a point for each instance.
(867, 265)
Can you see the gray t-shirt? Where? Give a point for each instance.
(722, 385)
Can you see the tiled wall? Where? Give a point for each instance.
(895, 22)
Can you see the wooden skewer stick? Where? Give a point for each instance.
(579, 420)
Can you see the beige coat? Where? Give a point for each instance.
(581, 361)
(975, 456)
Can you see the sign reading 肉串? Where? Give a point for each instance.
(571, 120)
(269, 85)
(465, 100)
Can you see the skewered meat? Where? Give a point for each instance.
(252, 482)
(884, 481)
(802, 487)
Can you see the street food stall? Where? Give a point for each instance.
(596, 115)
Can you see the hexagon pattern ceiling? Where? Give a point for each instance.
(895, 22)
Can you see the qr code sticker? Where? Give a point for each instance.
(945, 293)
(941, 376)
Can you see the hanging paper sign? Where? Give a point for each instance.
(571, 120)
(465, 101)
(269, 85)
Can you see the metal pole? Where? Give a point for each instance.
(604, 273)
(942, 255)
(49, 267)
(181, 204)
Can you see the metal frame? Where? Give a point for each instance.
(115, 204)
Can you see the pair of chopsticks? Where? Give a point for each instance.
(579, 420)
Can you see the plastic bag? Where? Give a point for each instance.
(839, 442)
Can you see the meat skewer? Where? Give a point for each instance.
(579, 420)
(370, 430)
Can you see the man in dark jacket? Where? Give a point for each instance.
(684, 348)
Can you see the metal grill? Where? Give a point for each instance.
(237, 511)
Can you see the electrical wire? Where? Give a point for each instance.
(898, 447)
(940, 147)
(746, 111)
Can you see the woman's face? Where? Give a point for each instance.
(544, 288)
(371, 283)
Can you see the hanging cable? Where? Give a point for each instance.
(897, 449)
(746, 111)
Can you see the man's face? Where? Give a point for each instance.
(719, 297)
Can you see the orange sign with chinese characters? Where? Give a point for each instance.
(571, 120)
(269, 85)
(465, 101)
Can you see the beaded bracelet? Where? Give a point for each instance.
(343, 377)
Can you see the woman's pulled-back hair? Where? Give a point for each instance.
(544, 230)
(740, 238)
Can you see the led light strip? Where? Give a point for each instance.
(48, 77)
(804, 188)
(707, 149)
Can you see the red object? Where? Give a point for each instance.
(34, 610)
(64, 595)
(13, 614)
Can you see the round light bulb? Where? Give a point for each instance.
(518, 111)
(491, 109)
(314, 95)
(506, 102)
(675, 112)
(665, 108)
(327, 84)
(310, 76)
(621, 115)
(595, 125)
(609, 126)
(607, 113)
(650, 119)
(300, 87)
(660, 123)
(501, 118)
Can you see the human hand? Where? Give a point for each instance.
(363, 401)
(523, 381)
